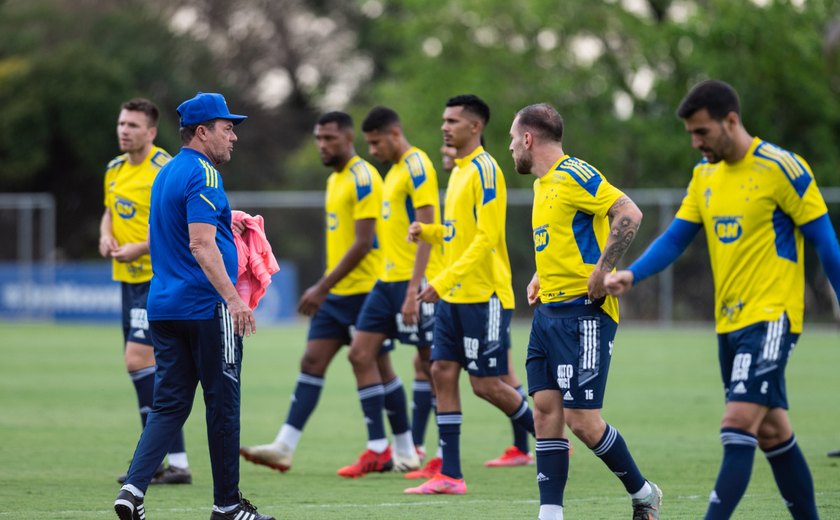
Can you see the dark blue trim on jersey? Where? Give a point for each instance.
(785, 240)
(409, 209)
(418, 177)
(488, 178)
(590, 184)
(665, 249)
(116, 161)
(585, 237)
(793, 168)
(820, 233)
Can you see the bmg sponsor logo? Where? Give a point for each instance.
(541, 238)
(124, 208)
(449, 234)
(728, 229)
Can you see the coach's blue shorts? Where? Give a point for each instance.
(134, 322)
(753, 361)
(476, 335)
(570, 350)
(381, 313)
(336, 319)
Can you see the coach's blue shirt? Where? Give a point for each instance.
(187, 190)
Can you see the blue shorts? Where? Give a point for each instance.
(570, 350)
(336, 319)
(381, 313)
(753, 361)
(134, 322)
(476, 335)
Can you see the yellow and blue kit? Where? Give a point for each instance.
(571, 225)
(128, 190)
(354, 193)
(754, 212)
(410, 183)
(475, 257)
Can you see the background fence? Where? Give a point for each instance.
(36, 282)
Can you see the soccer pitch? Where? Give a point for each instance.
(69, 425)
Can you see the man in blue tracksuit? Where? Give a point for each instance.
(196, 317)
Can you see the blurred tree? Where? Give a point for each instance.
(64, 70)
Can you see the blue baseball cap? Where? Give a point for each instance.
(206, 106)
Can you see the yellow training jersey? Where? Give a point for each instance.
(410, 183)
(475, 257)
(751, 211)
(571, 225)
(354, 193)
(128, 191)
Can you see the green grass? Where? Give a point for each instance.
(68, 427)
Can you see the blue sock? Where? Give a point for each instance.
(522, 422)
(396, 406)
(304, 400)
(144, 385)
(449, 430)
(613, 451)
(421, 407)
(735, 469)
(793, 479)
(372, 399)
(552, 469)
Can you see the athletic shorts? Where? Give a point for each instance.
(336, 319)
(753, 361)
(570, 350)
(134, 322)
(381, 313)
(476, 335)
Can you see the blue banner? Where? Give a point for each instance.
(84, 291)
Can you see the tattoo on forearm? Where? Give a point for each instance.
(622, 233)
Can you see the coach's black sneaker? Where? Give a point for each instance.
(835, 453)
(158, 473)
(244, 511)
(129, 507)
(173, 475)
(648, 508)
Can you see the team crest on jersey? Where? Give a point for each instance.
(728, 229)
(332, 221)
(541, 238)
(449, 234)
(386, 209)
(124, 208)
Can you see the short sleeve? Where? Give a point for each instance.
(205, 196)
(689, 210)
(368, 190)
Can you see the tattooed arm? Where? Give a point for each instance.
(625, 218)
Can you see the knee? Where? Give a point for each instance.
(359, 358)
(311, 364)
(588, 431)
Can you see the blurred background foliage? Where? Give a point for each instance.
(616, 70)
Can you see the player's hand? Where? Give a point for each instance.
(414, 231)
(312, 300)
(619, 282)
(410, 308)
(533, 290)
(595, 286)
(238, 227)
(242, 317)
(429, 295)
(107, 245)
(128, 252)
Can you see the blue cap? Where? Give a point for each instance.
(206, 107)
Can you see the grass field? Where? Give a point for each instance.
(68, 427)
